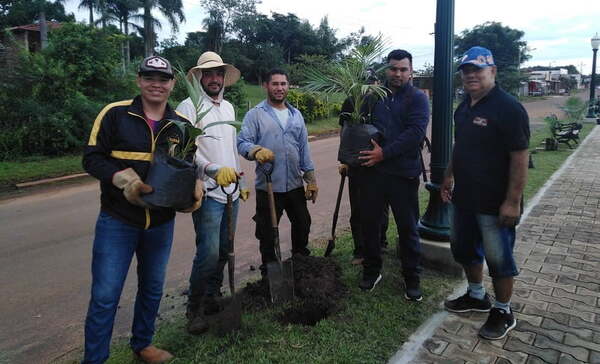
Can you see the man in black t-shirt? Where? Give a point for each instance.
(489, 172)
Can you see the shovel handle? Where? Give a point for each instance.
(337, 205)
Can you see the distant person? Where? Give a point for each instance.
(119, 152)
(274, 132)
(489, 172)
(393, 175)
(218, 164)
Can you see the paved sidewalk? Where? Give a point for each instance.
(557, 294)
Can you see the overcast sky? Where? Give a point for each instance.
(557, 32)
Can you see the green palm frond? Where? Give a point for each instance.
(349, 76)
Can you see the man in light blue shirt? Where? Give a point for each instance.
(274, 132)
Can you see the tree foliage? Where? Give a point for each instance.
(506, 44)
(21, 12)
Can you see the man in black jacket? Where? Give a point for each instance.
(393, 174)
(122, 143)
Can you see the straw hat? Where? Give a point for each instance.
(213, 60)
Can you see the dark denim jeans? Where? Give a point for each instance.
(115, 243)
(212, 248)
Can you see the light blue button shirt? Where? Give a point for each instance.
(261, 127)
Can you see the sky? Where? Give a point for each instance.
(557, 32)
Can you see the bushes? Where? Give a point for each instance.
(311, 107)
(50, 99)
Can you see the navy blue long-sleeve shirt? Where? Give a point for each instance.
(402, 118)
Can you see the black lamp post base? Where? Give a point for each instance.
(435, 223)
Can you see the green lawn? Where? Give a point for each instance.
(34, 168)
(370, 328)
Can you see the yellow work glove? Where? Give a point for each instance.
(312, 190)
(343, 169)
(198, 195)
(245, 194)
(264, 155)
(226, 176)
(133, 187)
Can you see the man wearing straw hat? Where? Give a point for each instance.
(218, 164)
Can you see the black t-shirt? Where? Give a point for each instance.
(485, 134)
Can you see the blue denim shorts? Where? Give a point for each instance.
(475, 237)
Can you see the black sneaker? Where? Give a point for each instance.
(368, 283)
(413, 289)
(466, 303)
(498, 324)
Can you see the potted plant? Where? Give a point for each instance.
(552, 122)
(172, 174)
(350, 77)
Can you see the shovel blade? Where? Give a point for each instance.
(229, 319)
(281, 281)
(330, 247)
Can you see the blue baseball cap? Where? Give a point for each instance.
(477, 56)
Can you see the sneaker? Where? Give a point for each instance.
(466, 303)
(413, 289)
(498, 324)
(368, 283)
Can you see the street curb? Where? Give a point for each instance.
(50, 180)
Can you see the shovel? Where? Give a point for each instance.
(280, 275)
(230, 317)
(331, 242)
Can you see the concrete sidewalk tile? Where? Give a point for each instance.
(550, 324)
(465, 343)
(590, 300)
(546, 283)
(546, 276)
(530, 301)
(586, 308)
(435, 346)
(454, 351)
(565, 302)
(557, 309)
(559, 272)
(532, 319)
(532, 265)
(561, 317)
(587, 292)
(579, 323)
(538, 330)
(574, 340)
(595, 357)
(579, 283)
(578, 353)
(485, 347)
(547, 355)
(568, 359)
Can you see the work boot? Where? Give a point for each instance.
(211, 306)
(153, 355)
(198, 324)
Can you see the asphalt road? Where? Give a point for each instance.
(45, 250)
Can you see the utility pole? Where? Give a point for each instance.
(435, 223)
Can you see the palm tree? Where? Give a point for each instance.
(124, 12)
(171, 9)
(42, 6)
(350, 76)
(90, 5)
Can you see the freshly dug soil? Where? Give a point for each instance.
(318, 290)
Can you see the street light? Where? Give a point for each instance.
(591, 108)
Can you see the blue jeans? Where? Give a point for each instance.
(474, 237)
(212, 248)
(115, 243)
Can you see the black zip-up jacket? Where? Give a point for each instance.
(121, 138)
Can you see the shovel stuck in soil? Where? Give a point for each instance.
(331, 242)
(230, 317)
(280, 274)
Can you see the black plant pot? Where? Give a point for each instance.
(173, 182)
(354, 138)
(551, 144)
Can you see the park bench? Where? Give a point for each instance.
(565, 133)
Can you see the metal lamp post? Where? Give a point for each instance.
(591, 108)
(435, 224)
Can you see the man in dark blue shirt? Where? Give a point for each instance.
(393, 172)
(489, 172)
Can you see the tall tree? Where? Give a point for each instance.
(125, 13)
(223, 16)
(91, 6)
(43, 6)
(171, 9)
(506, 44)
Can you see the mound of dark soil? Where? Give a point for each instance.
(318, 291)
